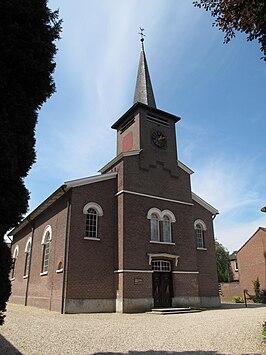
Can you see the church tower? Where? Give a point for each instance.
(156, 251)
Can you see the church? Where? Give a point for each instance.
(130, 239)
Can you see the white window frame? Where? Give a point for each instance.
(14, 261)
(45, 256)
(99, 213)
(27, 258)
(202, 236)
(161, 265)
(161, 215)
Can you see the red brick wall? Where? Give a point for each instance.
(206, 259)
(251, 261)
(229, 290)
(91, 263)
(43, 291)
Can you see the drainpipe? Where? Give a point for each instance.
(28, 278)
(66, 254)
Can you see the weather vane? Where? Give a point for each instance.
(142, 35)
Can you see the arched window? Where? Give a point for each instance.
(93, 211)
(155, 227)
(200, 228)
(14, 261)
(161, 225)
(27, 258)
(167, 229)
(46, 243)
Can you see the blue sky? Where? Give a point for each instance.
(218, 90)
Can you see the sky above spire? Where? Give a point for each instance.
(143, 90)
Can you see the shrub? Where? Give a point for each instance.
(238, 299)
(263, 296)
(264, 330)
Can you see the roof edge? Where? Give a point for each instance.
(115, 160)
(141, 105)
(185, 167)
(204, 204)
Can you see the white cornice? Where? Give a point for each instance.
(204, 204)
(184, 167)
(163, 256)
(153, 196)
(90, 180)
(109, 165)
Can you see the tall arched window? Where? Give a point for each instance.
(155, 227)
(92, 223)
(46, 243)
(27, 258)
(93, 211)
(14, 261)
(167, 237)
(200, 228)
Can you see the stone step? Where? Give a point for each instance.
(173, 310)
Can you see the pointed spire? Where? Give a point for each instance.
(143, 90)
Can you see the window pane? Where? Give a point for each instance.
(46, 252)
(91, 223)
(155, 232)
(167, 230)
(161, 265)
(27, 263)
(199, 236)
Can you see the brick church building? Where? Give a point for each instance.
(133, 238)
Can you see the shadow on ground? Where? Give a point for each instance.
(151, 352)
(7, 348)
(225, 305)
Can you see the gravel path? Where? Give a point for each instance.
(224, 331)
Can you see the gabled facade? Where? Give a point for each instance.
(130, 239)
(246, 265)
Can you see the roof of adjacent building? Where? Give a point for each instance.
(253, 235)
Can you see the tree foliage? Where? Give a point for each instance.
(248, 16)
(28, 31)
(222, 260)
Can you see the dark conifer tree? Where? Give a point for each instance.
(28, 31)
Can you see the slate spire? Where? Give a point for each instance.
(143, 90)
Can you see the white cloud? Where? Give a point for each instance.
(230, 185)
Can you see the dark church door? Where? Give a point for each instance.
(162, 289)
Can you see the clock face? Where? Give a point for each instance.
(159, 139)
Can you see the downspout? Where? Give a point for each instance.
(28, 278)
(66, 254)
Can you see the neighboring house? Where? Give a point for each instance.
(245, 265)
(130, 239)
(233, 267)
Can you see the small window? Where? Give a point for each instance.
(236, 265)
(46, 243)
(92, 211)
(161, 265)
(27, 258)
(14, 261)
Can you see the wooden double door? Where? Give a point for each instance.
(162, 289)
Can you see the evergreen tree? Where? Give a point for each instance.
(248, 16)
(222, 260)
(28, 30)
